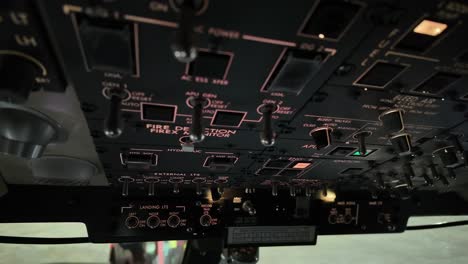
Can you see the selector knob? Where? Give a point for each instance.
(25, 132)
(248, 207)
(18, 78)
(153, 221)
(267, 136)
(132, 222)
(205, 220)
(392, 121)
(173, 221)
(321, 137)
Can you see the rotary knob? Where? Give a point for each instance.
(25, 132)
(18, 77)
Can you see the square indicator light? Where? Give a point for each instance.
(357, 153)
(301, 165)
(430, 28)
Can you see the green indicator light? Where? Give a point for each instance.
(358, 153)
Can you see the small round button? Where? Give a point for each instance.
(153, 221)
(173, 221)
(132, 222)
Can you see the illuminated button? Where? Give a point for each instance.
(300, 165)
(422, 37)
(228, 118)
(380, 75)
(330, 19)
(210, 64)
(431, 28)
(107, 45)
(158, 112)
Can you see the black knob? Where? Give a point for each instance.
(205, 220)
(18, 78)
(361, 137)
(402, 143)
(248, 207)
(447, 156)
(427, 179)
(196, 129)
(183, 43)
(321, 137)
(267, 136)
(455, 139)
(451, 173)
(113, 124)
(436, 175)
(153, 221)
(392, 121)
(25, 132)
(380, 180)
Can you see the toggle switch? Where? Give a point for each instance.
(183, 43)
(125, 180)
(321, 137)
(113, 124)
(274, 189)
(292, 190)
(309, 191)
(361, 137)
(196, 129)
(402, 143)
(267, 136)
(151, 186)
(392, 121)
